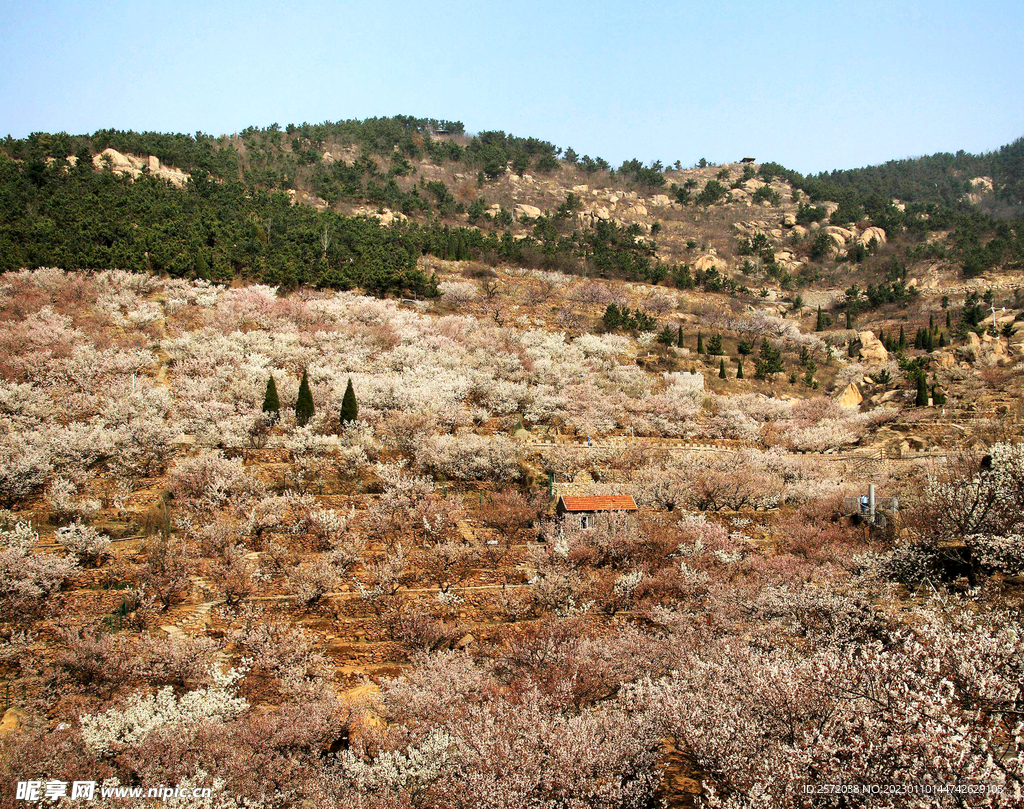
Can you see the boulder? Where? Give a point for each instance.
(752, 185)
(580, 189)
(788, 220)
(639, 210)
(601, 213)
(12, 720)
(738, 195)
(660, 200)
(527, 212)
(800, 231)
(871, 348)
(872, 233)
(850, 396)
(709, 261)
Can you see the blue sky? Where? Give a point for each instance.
(812, 85)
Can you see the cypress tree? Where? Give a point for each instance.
(903, 339)
(679, 337)
(271, 404)
(739, 370)
(304, 409)
(949, 320)
(819, 324)
(943, 342)
(721, 368)
(922, 391)
(700, 343)
(931, 322)
(349, 406)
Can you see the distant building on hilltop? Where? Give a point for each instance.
(747, 160)
(586, 508)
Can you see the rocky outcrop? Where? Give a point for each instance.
(527, 212)
(133, 166)
(875, 233)
(850, 396)
(709, 261)
(871, 348)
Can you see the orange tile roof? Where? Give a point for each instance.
(603, 502)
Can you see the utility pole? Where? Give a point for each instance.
(994, 314)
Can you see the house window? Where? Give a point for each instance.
(586, 520)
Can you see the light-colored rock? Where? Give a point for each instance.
(872, 233)
(527, 211)
(738, 195)
(850, 396)
(12, 720)
(871, 348)
(944, 359)
(580, 189)
(800, 231)
(709, 261)
(660, 201)
(639, 210)
(601, 213)
(752, 185)
(788, 220)
(133, 166)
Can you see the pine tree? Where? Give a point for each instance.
(612, 317)
(679, 337)
(903, 340)
(819, 324)
(349, 406)
(271, 404)
(922, 391)
(304, 409)
(700, 343)
(739, 370)
(931, 322)
(721, 368)
(949, 320)
(943, 341)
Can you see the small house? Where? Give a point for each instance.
(586, 508)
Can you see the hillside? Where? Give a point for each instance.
(292, 423)
(276, 205)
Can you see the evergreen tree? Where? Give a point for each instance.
(721, 368)
(700, 343)
(949, 320)
(304, 409)
(903, 339)
(739, 370)
(271, 404)
(943, 341)
(679, 337)
(349, 406)
(612, 317)
(819, 324)
(938, 397)
(931, 322)
(715, 345)
(922, 391)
